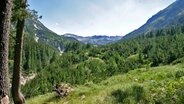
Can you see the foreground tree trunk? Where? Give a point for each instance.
(18, 98)
(5, 16)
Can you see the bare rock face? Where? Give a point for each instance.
(25, 79)
(63, 89)
(5, 100)
(82, 97)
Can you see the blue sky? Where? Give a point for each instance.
(96, 17)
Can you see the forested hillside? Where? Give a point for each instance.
(35, 55)
(41, 45)
(95, 64)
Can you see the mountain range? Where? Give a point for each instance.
(171, 16)
(42, 34)
(96, 39)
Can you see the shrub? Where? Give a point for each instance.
(179, 74)
(137, 92)
(120, 95)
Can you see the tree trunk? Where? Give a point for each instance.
(5, 17)
(18, 98)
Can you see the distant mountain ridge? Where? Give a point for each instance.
(170, 16)
(95, 40)
(42, 34)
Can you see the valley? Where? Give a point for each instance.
(146, 66)
(141, 67)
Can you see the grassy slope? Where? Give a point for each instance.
(154, 85)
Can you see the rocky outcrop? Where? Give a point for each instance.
(63, 89)
(25, 79)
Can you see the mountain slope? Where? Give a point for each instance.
(163, 85)
(96, 39)
(42, 34)
(171, 16)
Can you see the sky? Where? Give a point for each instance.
(96, 17)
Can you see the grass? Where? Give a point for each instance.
(162, 85)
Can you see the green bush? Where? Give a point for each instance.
(179, 74)
(120, 95)
(138, 92)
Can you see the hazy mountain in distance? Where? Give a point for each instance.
(96, 39)
(170, 16)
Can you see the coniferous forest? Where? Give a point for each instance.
(94, 64)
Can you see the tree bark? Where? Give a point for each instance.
(18, 98)
(5, 17)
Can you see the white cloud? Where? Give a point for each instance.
(109, 17)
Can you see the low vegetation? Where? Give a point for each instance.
(161, 85)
